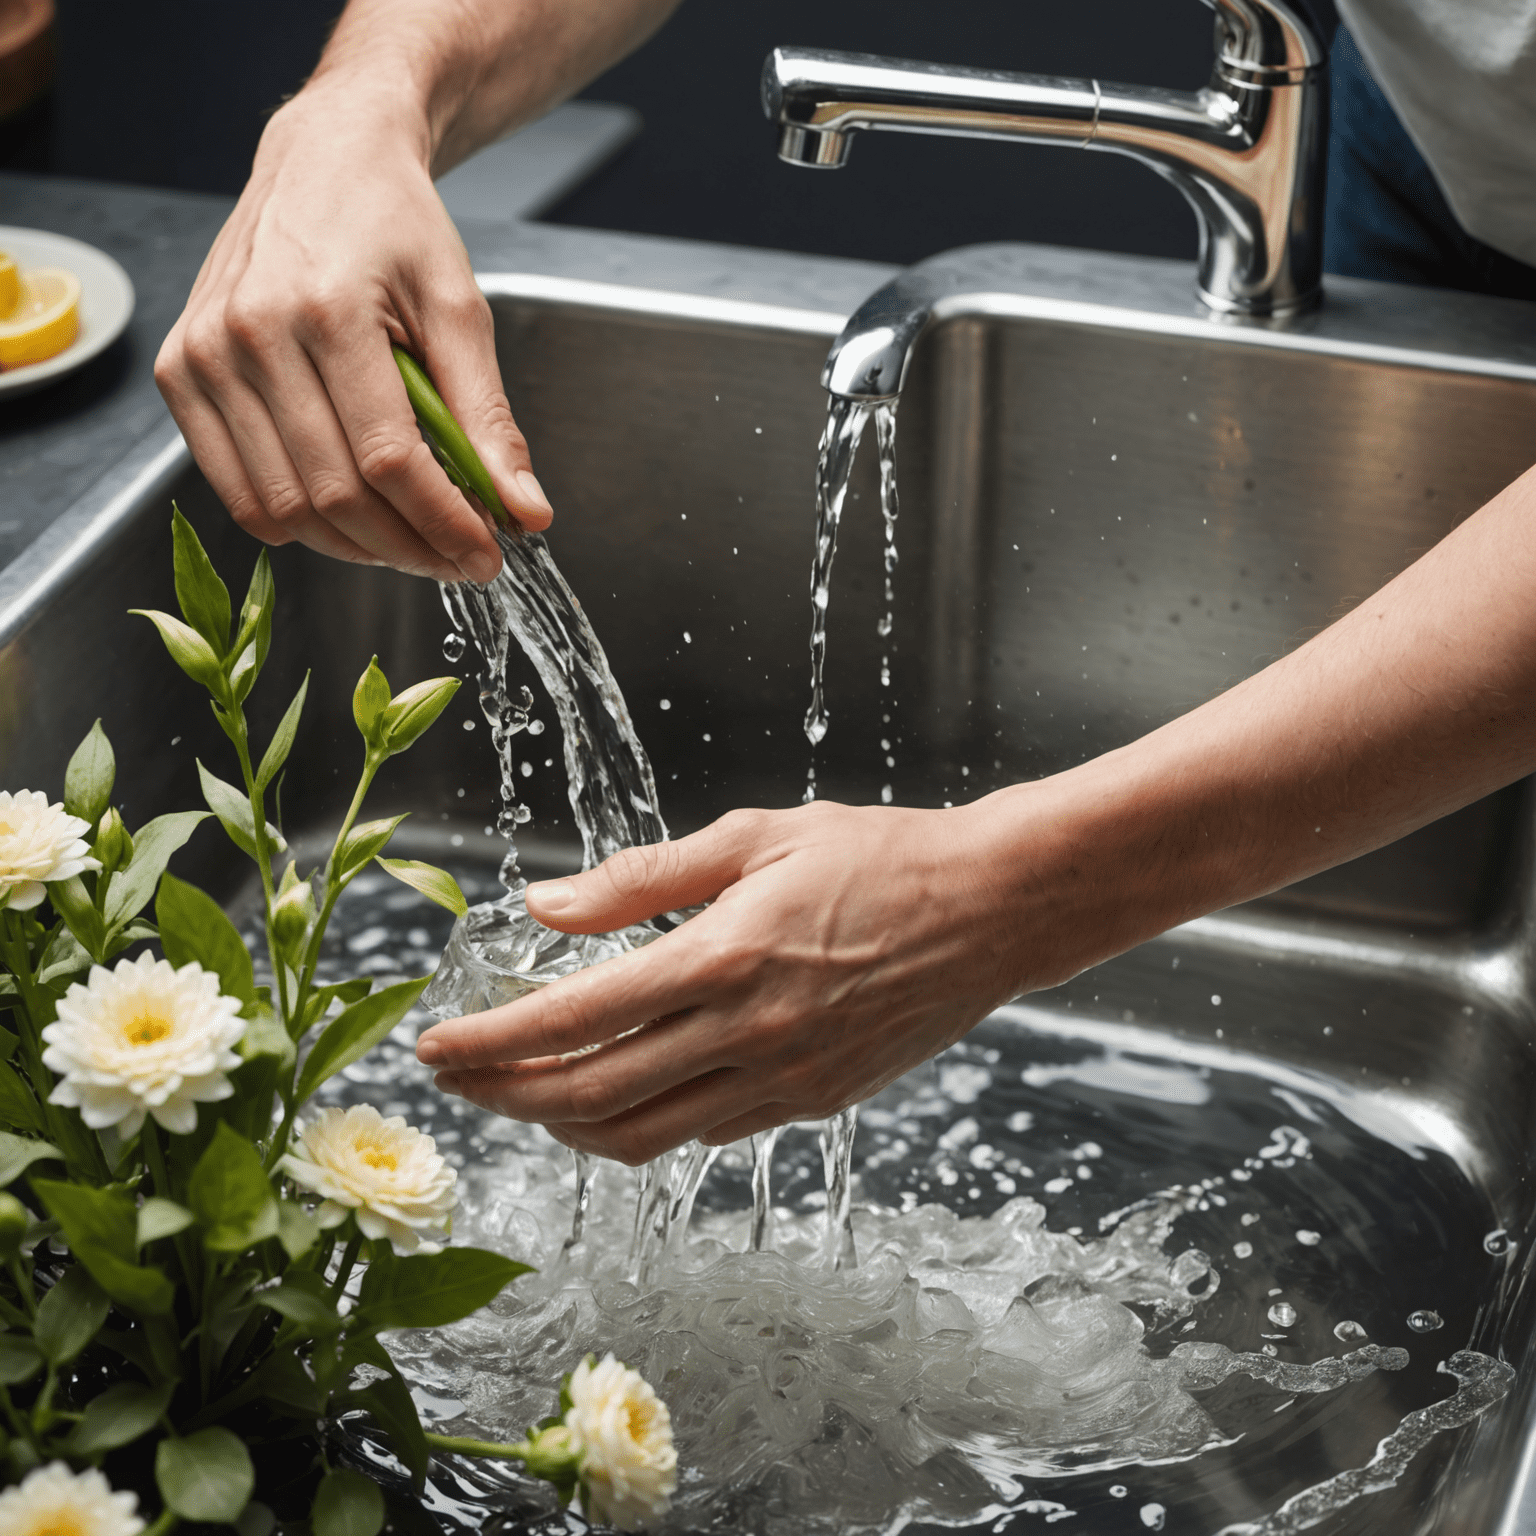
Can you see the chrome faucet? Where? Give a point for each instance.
(1247, 151)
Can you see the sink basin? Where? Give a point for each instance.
(1111, 509)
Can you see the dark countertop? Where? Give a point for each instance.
(58, 442)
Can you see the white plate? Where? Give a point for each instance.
(106, 302)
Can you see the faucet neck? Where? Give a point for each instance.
(1263, 43)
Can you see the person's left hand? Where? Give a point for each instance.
(844, 946)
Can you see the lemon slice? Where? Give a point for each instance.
(46, 318)
(10, 286)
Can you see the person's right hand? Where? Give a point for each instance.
(279, 371)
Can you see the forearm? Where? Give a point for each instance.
(460, 73)
(1419, 701)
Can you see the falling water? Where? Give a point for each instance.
(834, 466)
(885, 438)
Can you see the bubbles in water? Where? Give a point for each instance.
(1425, 1321)
(454, 646)
(1282, 1314)
(1153, 1516)
(1309, 1239)
(1242, 1250)
(1349, 1332)
(1499, 1242)
(1118, 1491)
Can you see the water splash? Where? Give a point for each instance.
(1481, 1383)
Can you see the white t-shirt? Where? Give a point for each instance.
(1462, 76)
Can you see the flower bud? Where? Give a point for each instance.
(114, 844)
(292, 914)
(553, 1455)
(411, 712)
(13, 1226)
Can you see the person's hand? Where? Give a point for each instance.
(279, 371)
(844, 946)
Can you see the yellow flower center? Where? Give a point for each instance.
(640, 1416)
(143, 1029)
(376, 1156)
(60, 1523)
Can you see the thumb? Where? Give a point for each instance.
(640, 882)
(462, 362)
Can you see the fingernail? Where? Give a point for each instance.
(430, 1053)
(553, 895)
(481, 568)
(531, 490)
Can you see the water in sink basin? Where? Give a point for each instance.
(1156, 1212)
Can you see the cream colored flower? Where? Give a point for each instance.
(624, 1434)
(38, 843)
(386, 1171)
(143, 1037)
(53, 1501)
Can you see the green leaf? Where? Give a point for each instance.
(369, 701)
(8, 1040)
(188, 650)
(281, 1379)
(363, 842)
(413, 711)
(265, 1036)
(73, 903)
(344, 992)
(355, 1031)
(20, 1359)
(242, 676)
(153, 845)
(206, 1476)
(89, 777)
(69, 1316)
(347, 1504)
(234, 812)
(389, 1402)
(18, 1153)
(101, 1227)
(65, 956)
(430, 1290)
(282, 738)
(118, 1417)
(161, 1218)
(256, 612)
(433, 883)
(314, 1315)
(297, 1230)
(231, 1195)
(193, 927)
(18, 1104)
(203, 596)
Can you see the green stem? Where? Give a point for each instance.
(253, 792)
(154, 1160)
(462, 462)
(464, 1447)
(167, 1522)
(23, 1285)
(19, 1426)
(348, 1259)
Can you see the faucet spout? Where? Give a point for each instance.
(1247, 151)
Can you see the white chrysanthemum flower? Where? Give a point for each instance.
(624, 1434)
(38, 843)
(386, 1171)
(53, 1501)
(144, 1037)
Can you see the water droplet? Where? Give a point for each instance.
(453, 647)
(469, 725)
(535, 727)
(1118, 1491)
(1425, 1322)
(1152, 1516)
(1349, 1332)
(1499, 1242)
(1282, 1314)
(885, 794)
(666, 703)
(1250, 1217)
(1308, 1239)
(1242, 1250)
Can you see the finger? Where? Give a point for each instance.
(460, 355)
(577, 1011)
(764, 1118)
(304, 417)
(687, 1113)
(212, 445)
(359, 374)
(659, 877)
(607, 1082)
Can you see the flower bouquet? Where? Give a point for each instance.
(197, 1269)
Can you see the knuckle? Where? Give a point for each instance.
(334, 495)
(249, 322)
(203, 349)
(386, 456)
(594, 1095)
(632, 872)
(287, 504)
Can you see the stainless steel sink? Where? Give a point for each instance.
(1111, 509)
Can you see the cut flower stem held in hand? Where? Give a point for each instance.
(194, 1262)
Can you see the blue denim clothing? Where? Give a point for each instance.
(1386, 216)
